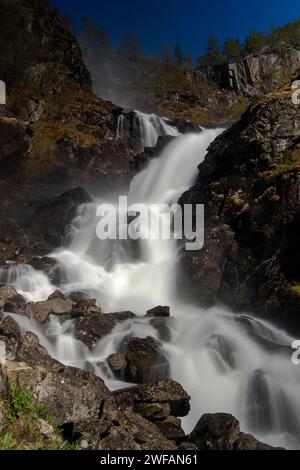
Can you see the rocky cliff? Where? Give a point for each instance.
(55, 133)
(253, 75)
(249, 183)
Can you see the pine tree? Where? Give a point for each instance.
(178, 55)
(232, 48)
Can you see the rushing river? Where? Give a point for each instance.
(220, 358)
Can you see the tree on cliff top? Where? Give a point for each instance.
(213, 54)
(255, 42)
(232, 48)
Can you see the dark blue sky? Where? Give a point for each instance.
(189, 22)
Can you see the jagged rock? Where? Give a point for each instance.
(92, 328)
(57, 294)
(15, 304)
(153, 411)
(248, 442)
(218, 431)
(40, 311)
(13, 143)
(10, 328)
(163, 392)
(31, 352)
(93, 325)
(7, 292)
(158, 311)
(249, 183)
(221, 431)
(48, 266)
(76, 296)
(162, 325)
(71, 394)
(145, 361)
(61, 211)
(171, 428)
(117, 363)
(130, 431)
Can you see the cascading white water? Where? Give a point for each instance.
(147, 128)
(227, 362)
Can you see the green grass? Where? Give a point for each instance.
(22, 433)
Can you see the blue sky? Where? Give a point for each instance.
(189, 22)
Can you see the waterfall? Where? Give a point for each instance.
(142, 130)
(219, 357)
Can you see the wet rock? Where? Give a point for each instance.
(249, 183)
(153, 411)
(117, 363)
(15, 304)
(40, 311)
(10, 328)
(122, 316)
(92, 325)
(92, 328)
(218, 431)
(78, 295)
(145, 361)
(171, 428)
(159, 311)
(7, 292)
(57, 294)
(48, 266)
(162, 325)
(225, 350)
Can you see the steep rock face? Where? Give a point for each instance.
(254, 75)
(54, 133)
(249, 183)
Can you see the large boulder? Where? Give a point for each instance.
(71, 394)
(249, 184)
(159, 398)
(40, 311)
(92, 325)
(91, 329)
(10, 328)
(221, 431)
(145, 360)
(131, 431)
